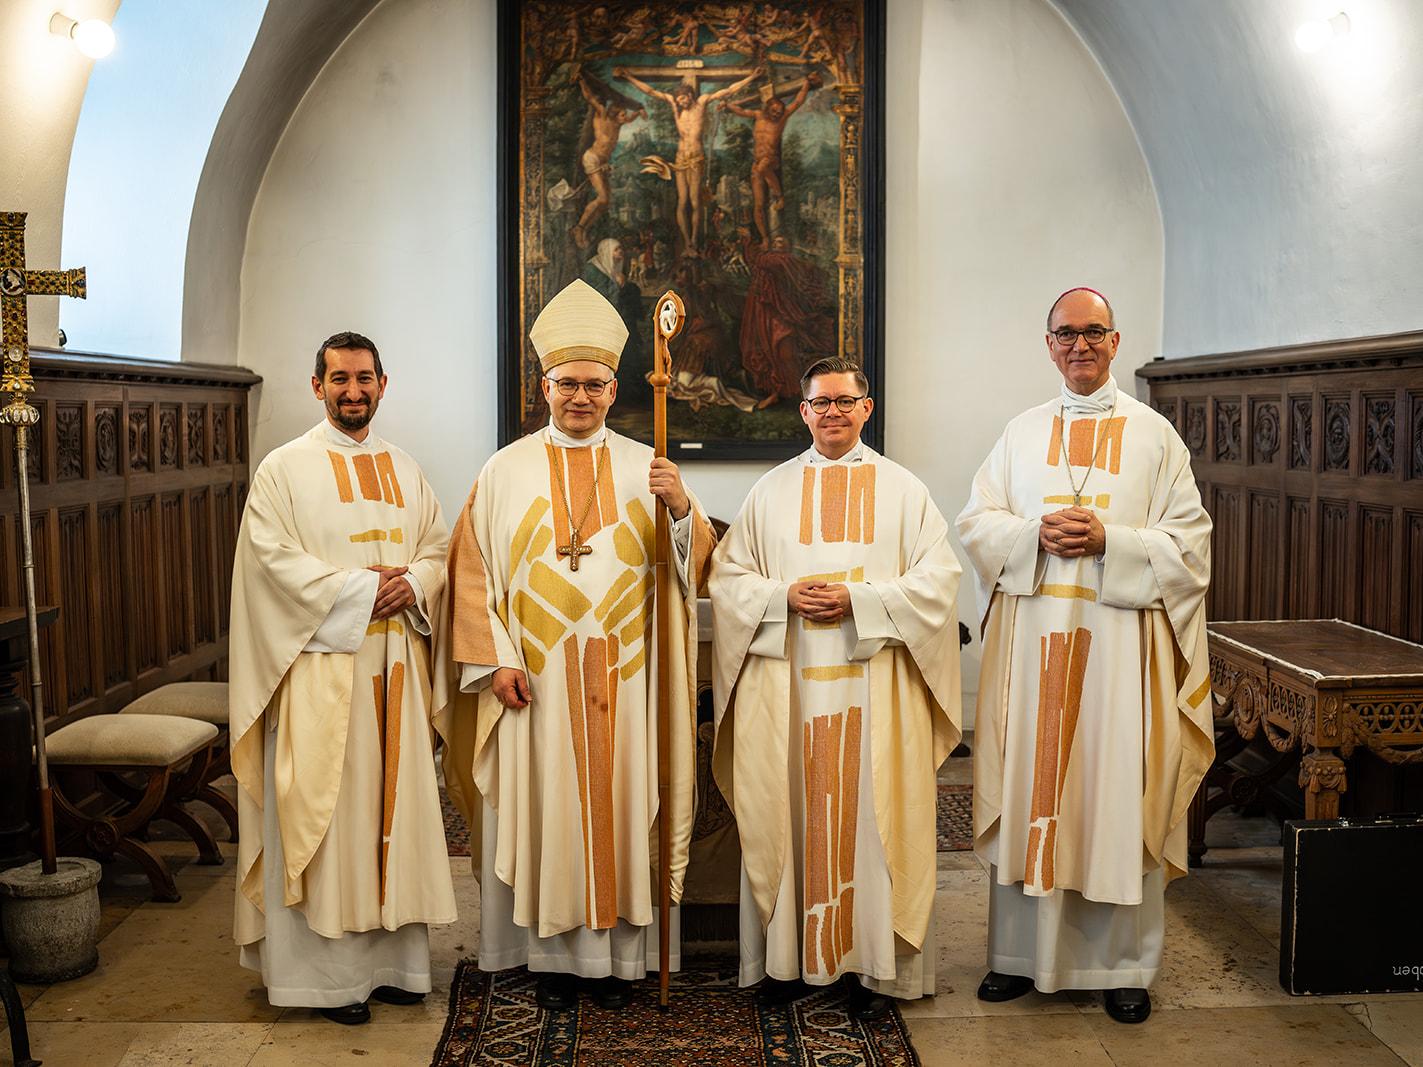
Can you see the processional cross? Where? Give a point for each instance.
(16, 283)
(573, 550)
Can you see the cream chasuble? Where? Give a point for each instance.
(829, 735)
(342, 837)
(1093, 727)
(551, 573)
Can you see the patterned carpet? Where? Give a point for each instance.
(955, 821)
(710, 1022)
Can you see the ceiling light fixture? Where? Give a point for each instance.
(93, 37)
(1312, 36)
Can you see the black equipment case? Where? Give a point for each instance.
(1351, 915)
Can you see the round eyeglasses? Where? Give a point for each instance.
(568, 387)
(1093, 335)
(821, 404)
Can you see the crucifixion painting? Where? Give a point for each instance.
(728, 150)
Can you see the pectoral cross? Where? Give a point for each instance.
(573, 550)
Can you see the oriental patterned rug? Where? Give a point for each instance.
(955, 821)
(711, 1022)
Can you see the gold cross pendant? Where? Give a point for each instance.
(573, 550)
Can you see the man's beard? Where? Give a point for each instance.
(349, 418)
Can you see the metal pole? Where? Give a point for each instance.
(22, 477)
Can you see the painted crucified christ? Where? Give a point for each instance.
(766, 133)
(608, 120)
(689, 111)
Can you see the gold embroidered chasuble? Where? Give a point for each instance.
(1093, 726)
(357, 799)
(871, 720)
(572, 777)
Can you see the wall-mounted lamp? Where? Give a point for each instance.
(1312, 36)
(93, 37)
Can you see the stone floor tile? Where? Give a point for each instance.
(61, 1044)
(1038, 1041)
(319, 1043)
(1398, 1023)
(194, 1044)
(1299, 1034)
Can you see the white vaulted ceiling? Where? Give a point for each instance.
(1291, 184)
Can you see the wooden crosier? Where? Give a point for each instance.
(667, 320)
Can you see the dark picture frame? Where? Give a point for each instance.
(652, 114)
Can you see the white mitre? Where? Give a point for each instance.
(578, 324)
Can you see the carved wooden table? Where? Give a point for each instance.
(1322, 686)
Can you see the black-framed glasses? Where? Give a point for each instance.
(821, 404)
(1093, 335)
(568, 387)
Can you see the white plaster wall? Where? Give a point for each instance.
(42, 80)
(1291, 184)
(377, 214)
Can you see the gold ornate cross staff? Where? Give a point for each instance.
(16, 382)
(667, 319)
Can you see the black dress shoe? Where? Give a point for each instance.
(1127, 1005)
(772, 992)
(866, 1005)
(556, 992)
(612, 993)
(350, 1015)
(389, 994)
(997, 988)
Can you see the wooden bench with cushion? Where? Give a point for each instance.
(172, 754)
(207, 702)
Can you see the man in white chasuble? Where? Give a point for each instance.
(1092, 555)
(339, 572)
(837, 694)
(553, 757)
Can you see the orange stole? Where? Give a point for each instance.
(575, 466)
(374, 474)
(388, 728)
(847, 503)
(1089, 442)
(831, 768)
(1064, 665)
(592, 716)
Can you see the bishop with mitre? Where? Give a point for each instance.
(551, 640)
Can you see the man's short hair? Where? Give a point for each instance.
(346, 339)
(1111, 315)
(834, 365)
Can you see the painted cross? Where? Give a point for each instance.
(17, 283)
(573, 550)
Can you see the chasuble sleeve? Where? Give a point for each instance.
(281, 594)
(1001, 545)
(1166, 563)
(344, 628)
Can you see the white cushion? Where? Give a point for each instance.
(192, 700)
(129, 740)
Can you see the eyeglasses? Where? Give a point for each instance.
(568, 387)
(1094, 335)
(821, 404)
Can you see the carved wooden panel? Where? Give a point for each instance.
(168, 436)
(1227, 431)
(1301, 433)
(1337, 433)
(1378, 434)
(114, 605)
(131, 542)
(220, 450)
(1262, 550)
(139, 453)
(1265, 430)
(1316, 497)
(69, 441)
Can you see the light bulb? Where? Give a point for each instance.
(93, 37)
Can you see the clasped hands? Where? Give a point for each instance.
(819, 601)
(394, 592)
(1072, 532)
